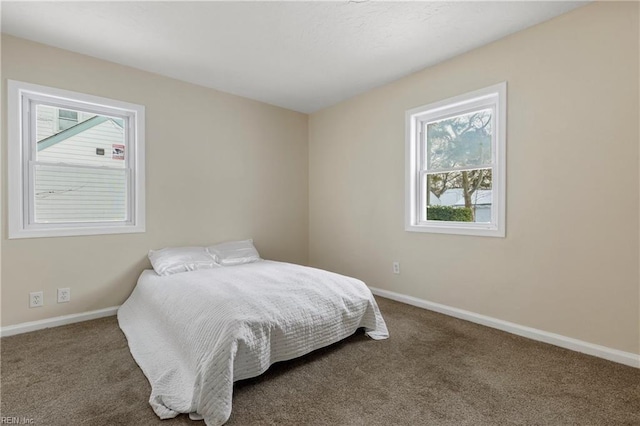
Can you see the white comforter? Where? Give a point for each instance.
(195, 333)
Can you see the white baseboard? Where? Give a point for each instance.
(26, 327)
(599, 351)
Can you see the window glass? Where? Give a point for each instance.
(98, 140)
(78, 194)
(464, 196)
(460, 141)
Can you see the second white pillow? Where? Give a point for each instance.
(234, 252)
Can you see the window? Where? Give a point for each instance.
(455, 170)
(76, 163)
(67, 119)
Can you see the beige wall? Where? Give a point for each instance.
(218, 167)
(569, 264)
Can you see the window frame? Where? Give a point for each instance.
(492, 97)
(22, 98)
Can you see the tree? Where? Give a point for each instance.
(462, 142)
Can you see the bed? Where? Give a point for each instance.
(194, 334)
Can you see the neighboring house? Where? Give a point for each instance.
(90, 185)
(52, 120)
(481, 202)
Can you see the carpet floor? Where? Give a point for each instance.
(433, 370)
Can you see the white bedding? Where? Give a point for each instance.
(195, 333)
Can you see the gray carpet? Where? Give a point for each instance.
(434, 370)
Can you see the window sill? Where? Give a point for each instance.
(477, 230)
(74, 231)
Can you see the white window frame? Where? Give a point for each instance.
(21, 154)
(493, 97)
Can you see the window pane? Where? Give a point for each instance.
(68, 114)
(461, 141)
(67, 118)
(459, 196)
(89, 140)
(78, 194)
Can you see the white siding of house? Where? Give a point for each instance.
(73, 194)
(45, 122)
(77, 194)
(483, 213)
(81, 148)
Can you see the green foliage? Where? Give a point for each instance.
(450, 214)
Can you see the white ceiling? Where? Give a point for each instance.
(304, 56)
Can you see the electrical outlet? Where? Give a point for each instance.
(64, 295)
(396, 267)
(36, 299)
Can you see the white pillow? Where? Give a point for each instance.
(173, 260)
(234, 252)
